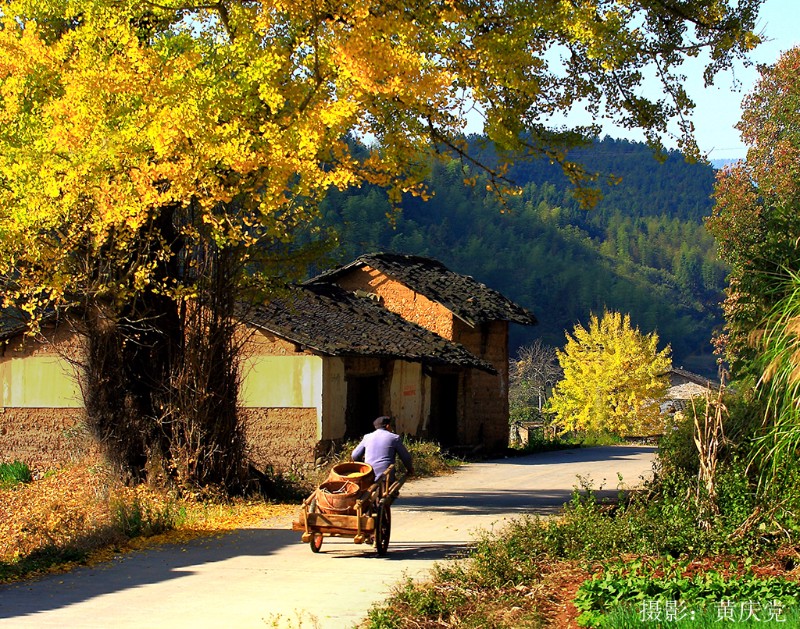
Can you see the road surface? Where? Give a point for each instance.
(264, 577)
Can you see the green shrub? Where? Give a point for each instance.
(141, 516)
(677, 451)
(15, 473)
(639, 583)
(383, 618)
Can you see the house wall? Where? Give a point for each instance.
(42, 421)
(280, 439)
(401, 300)
(38, 373)
(281, 402)
(485, 414)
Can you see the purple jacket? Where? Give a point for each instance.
(379, 448)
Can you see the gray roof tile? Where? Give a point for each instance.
(464, 296)
(327, 319)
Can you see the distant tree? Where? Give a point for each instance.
(614, 378)
(532, 376)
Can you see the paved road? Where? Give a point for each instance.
(263, 577)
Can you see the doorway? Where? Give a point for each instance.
(444, 409)
(363, 405)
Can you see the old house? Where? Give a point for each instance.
(386, 334)
(324, 362)
(684, 386)
(468, 407)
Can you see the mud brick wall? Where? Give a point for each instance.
(45, 438)
(486, 395)
(401, 300)
(281, 438)
(262, 343)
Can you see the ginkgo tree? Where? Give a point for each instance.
(156, 152)
(614, 378)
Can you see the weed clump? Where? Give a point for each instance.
(14, 473)
(140, 513)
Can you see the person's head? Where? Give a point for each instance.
(384, 421)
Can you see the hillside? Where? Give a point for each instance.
(642, 250)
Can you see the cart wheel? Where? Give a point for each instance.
(316, 542)
(383, 530)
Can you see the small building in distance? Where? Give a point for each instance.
(685, 385)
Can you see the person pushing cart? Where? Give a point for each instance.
(380, 447)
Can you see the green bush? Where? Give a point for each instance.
(677, 452)
(15, 473)
(141, 517)
(630, 583)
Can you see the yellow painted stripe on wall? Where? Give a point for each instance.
(281, 382)
(39, 382)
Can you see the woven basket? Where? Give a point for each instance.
(336, 496)
(355, 472)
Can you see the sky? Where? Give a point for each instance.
(718, 108)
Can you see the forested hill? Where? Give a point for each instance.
(643, 250)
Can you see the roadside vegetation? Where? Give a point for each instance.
(714, 538)
(698, 542)
(84, 514)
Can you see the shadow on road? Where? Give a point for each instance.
(497, 502)
(129, 571)
(579, 455)
(400, 551)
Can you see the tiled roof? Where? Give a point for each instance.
(12, 322)
(329, 320)
(675, 372)
(462, 295)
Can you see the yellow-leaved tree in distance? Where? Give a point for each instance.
(615, 378)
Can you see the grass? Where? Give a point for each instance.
(13, 474)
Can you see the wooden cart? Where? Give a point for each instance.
(371, 523)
